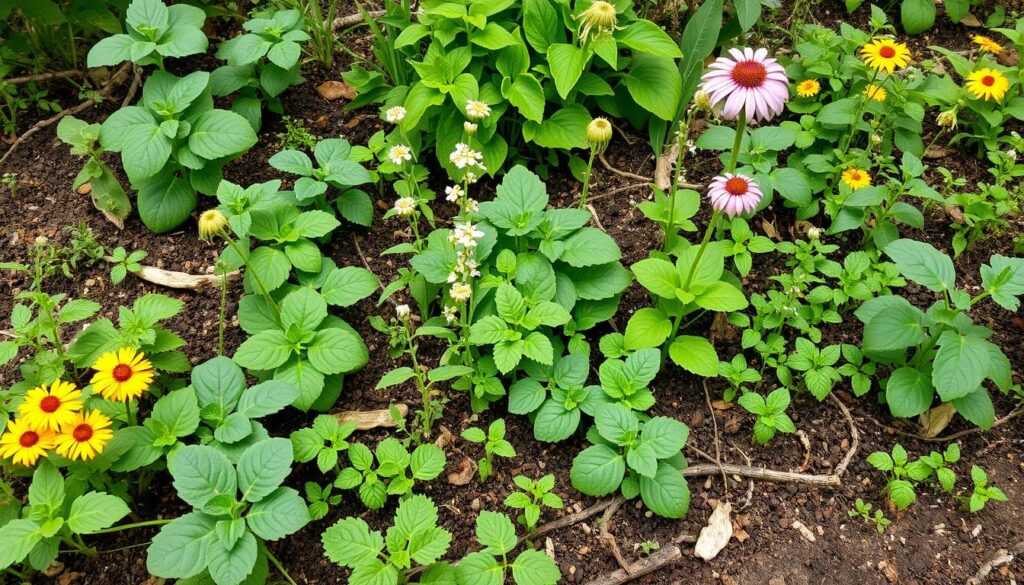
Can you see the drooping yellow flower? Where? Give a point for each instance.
(987, 45)
(599, 133)
(85, 436)
(599, 19)
(122, 375)
(856, 178)
(211, 223)
(808, 88)
(24, 445)
(875, 92)
(987, 84)
(47, 410)
(885, 55)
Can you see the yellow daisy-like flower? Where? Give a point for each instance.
(122, 375)
(987, 45)
(875, 92)
(987, 84)
(24, 445)
(856, 178)
(808, 88)
(211, 223)
(85, 436)
(885, 55)
(47, 410)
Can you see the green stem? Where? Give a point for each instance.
(133, 525)
(277, 564)
(255, 275)
(586, 178)
(78, 546)
(741, 127)
(18, 574)
(128, 409)
(700, 251)
(864, 99)
(223, 311)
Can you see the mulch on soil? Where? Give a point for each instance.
(931, 543)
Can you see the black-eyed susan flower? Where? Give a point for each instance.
(211, 224)
(85, 436)
(48, 409)
(808, 88)
(875, 92)
(885, 55)
(122, 375)
(856, 178)
(987, 84)
(987, 45)
(23, 444)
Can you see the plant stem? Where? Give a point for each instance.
(223, 310)
(159, 522)
(128, 410)
(864, 99)
(737, 142)
(586, 177)
(255, 275)
(18, 574)
(277, 564)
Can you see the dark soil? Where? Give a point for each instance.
(934, 542)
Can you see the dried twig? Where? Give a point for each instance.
(115, 80)
(179, 280)
(762, 473)
(806, 442)
(854, 438)
(627, 174)
(353, 19)
(366, 264)
(1016, 412)
(371, 419)
(572, 519)
(999, 558)
(718, 445)
(619, 190)
(656, 560)
(133, 88)
(608, 538)
(44, 76)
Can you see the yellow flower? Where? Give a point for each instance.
(600, 18)
(875, 92)
(211, 224)
(85, 436)
(23, 444)
(987, 45)
(122, 375)
(808, 88)
(856, 178)
(599, 133)
(987, 84)
(885, 55)
(47, 410)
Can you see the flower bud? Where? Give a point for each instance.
(469, 127)
(599, 133)
(599, 19)
(702, 100)
(814, 232)
(947, 119)
(403, 312)
(211, 223)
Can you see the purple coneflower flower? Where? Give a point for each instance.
(749, 82)
(734, 194)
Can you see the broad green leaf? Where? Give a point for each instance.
(95, 511)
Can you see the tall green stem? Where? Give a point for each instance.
(277, 564)
(255, 275)
(737, 141)
(586, 177)
(159, 522)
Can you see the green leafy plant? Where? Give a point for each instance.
(817, 365)
(174, 145)
(770, 412)
(104, 188)
(935, 465)
(125, 263)
(494, 443)
(737, 373)
(636, 458)
(513, 330)
(338, 165)
(324, 441)
(554, 396)
(155, 31)
(940, 351)
(862, 510)
(236, 509)
(534, 497)
(900, 475)
(496, 533)
(395, 473)
(320, 499)
(414, 540)
(982, 493)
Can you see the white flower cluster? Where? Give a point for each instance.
(395, 114)
(477, 110)
(405, 206)
(456, 194)
(399, 154)
(465, 236)
(463, 156)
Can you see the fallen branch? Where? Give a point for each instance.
(571, 519)
(854, 438)
(1016, 412)
(180, 280)
(115, 80)
(627, 174)
(44, 76)
(608, 538)
(999, 558)
(134, 87)
(371, 419)
(761, 473)
(353, 19)
(655, 561)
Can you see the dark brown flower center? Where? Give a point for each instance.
(82, 433)
(28, 439)
(736, 186)
(49, 404)
(988, 81)
(887, 52)
(749, 74)
(122, 372)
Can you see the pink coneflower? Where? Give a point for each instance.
(734, 194)
(749, 82)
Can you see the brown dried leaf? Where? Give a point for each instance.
(769, 230)
(937, 419)
(85, 188)
(715, 536)
(889, 570)
(371, 419)
(970, 20)
(937, 152)
(463, 473)
(1008, 58)
(333, 90)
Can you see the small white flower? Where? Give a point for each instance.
(405, 206)
(453, 193)
(452, 277)
(469, 127)
(402, 311)
(467, 234)
(450, 314)
(472, 205)
(42, 240)
(395, 114)
(463, 156)
(471, 178)
(1011, 154)
(477, 110)
(814, 233)
(399, 154)
(460, 292)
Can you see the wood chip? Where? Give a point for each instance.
(889, 570)
(803, 530)
(333, 90)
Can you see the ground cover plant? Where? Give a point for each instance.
(474, 292)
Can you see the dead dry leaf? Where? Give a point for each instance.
(371, 419)
(889, 571)
(937, 419)
(769, 230)
(333, 90)
(970, 20)
(463, 473)
(716, 534)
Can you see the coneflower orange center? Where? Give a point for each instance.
(122, 372)
(887, 52)
(854, 176)
(28, 438)
(736, 186)
(988, 81)
(82, 433)
(749, 74)
(49, 404)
